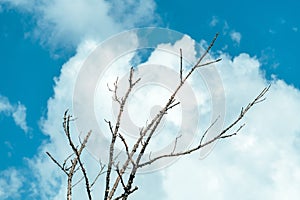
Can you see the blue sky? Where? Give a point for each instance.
(39, 40)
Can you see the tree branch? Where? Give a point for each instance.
(221, 135)
(115, 132)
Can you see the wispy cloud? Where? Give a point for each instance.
(214, 21)
(236, 37)
(11, 182)
(19, 116)
(18, 112)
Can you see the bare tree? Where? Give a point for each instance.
(134, 154)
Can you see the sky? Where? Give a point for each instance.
(45, 45)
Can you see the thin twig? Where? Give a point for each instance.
(174, 144)
(99, 174)
(172, 106)
(126, 148)
(209, 63)
(232, 134)
(77, 182)
(65, 162)
(180, 65)
(206, 131)
(120, 176)
(110, 126)
(57, 163)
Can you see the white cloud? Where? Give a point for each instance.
(225, 28)
(81, 24)
(51, 182)
(134, 13)
(65, 23)
(20, 117)
(5, 105)
(69, 22)
(262, 161)
(236, 36)
(18, 112)
(262, 158)
(11, 182)
(46, 172)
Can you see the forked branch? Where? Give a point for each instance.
(122, 103)
(75, 160)
(221, 135)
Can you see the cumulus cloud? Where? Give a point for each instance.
(260, 163)
(262, 158)
(79, 24)
(18, 112)
(66, 23)
(50, 181)
(62, 99)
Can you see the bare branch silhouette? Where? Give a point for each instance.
(70, 171)
(134, 154)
